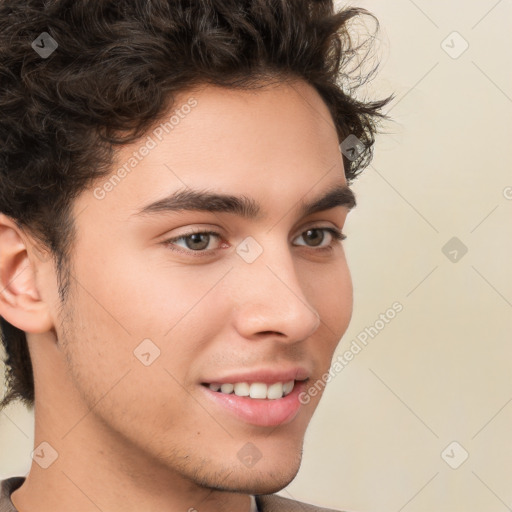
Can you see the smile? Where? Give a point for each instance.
(257, 403)
(256, 390)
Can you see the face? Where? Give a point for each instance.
(167, 304)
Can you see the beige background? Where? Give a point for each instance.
(440, 371)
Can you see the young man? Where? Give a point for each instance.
(173, 282)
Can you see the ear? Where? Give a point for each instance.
(20, 300)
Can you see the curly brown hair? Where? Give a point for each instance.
(116, 70)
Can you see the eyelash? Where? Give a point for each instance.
(337, 235)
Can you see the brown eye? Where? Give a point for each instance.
(315, 236)
(196, 242)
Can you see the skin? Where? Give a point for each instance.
(131, 437)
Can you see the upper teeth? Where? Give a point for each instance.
(256, 389)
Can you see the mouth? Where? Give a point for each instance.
(263, 404)
(256, 390)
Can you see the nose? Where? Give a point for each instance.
(270, 301)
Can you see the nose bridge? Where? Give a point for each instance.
(271, 298)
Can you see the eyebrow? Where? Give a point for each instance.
(244, 206)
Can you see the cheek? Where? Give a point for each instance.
(133, 393)
(148, 293)
(140, 329)
(330, 292)
(332, 296)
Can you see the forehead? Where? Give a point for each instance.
(274, 143)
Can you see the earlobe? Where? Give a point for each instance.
(20, 302)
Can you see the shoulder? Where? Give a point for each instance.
(7, 487)
(275, 503)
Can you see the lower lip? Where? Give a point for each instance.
(260, 412)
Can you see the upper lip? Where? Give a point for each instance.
(264, 375)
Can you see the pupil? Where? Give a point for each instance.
(317, 231)
(196, 238)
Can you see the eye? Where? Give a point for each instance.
(316, 235)
(195, 242)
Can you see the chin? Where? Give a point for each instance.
(269, 484)
(265, 479)
(258, 484)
